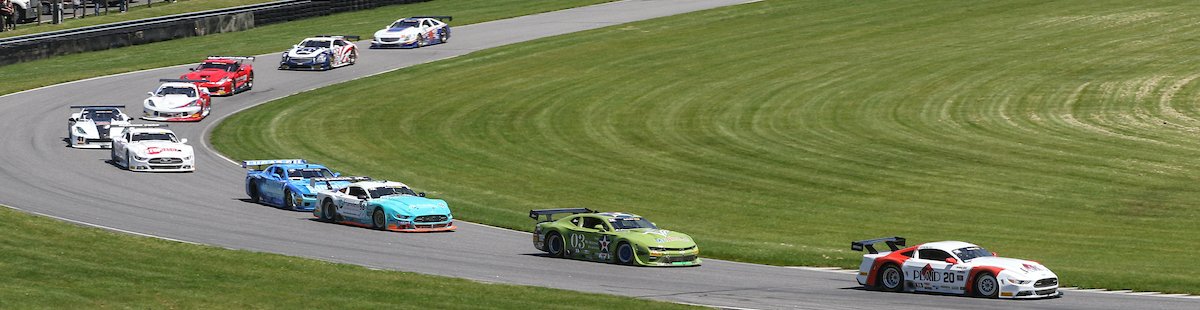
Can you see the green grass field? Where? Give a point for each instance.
(138, 11)
(779, 131)
(52, 264)
(261, 40)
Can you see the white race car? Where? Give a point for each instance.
(94, 126)
(152, 147)
(381, 205)
(952, 267)
(177, 101)
(412, 32)
(321, 53)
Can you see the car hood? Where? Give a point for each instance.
(306, 52)
(413, 205)
(167, 102)
(211, 75)
(397, 32)
(1025, 268)
(658, 237)
(93, 129)
(160, 149)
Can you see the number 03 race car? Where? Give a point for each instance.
(953, 267)
(621, 238)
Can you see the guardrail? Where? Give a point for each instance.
(100, 37)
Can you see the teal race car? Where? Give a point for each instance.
(610, 237)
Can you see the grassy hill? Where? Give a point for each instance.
(777, 132)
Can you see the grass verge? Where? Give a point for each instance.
(139, 11)
(266, 39)
(777, 132)
(53, 264)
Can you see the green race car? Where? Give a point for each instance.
(621, 238)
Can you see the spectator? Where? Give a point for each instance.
(6, 15)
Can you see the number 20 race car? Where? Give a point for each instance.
(621, 238)
(952, 267)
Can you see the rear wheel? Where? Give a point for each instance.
(443, 36)
(891, 279)
(555, 244)
(252, 188)
(378, 221)
(249, 83)
(327, 211)
(987, 286)
(353, 57)
(625, 255)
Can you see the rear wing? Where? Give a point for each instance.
(146, 125)
(893, 243)
(347, 37)
(265, 162)
(549, 213)
(181, 81)
(313, 181)
(97, 106)
(238, 58)
(440, 17)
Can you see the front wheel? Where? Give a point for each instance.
(891, 279)
(625, 255)
(987, 286)
(289, 201)
(378, 221)
(127, 167)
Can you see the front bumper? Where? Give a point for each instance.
(185, 116)
(406, 226)
(162, 164)
(218, 89)
(88, 143)
(669, 258)
(1028, 291)
(397, 43)
(304, 64)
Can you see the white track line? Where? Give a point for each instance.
(101, 226)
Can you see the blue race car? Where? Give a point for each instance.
(286, 183)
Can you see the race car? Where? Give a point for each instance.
(321, 53)
(223, 75)
(413, 32)
(952, 267)
(621, 238)
(381, 205)
(177, 101)
(152, 148)
(286, 183)
(94, 126)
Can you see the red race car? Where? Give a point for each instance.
(223, 75)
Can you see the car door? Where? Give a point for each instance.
(353, 204)
(271, 188)
(584, 237)
(929, 271)
(118, 145)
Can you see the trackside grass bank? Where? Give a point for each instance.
(138, 11)
(52, 264)
(777, 132)
(270, 38)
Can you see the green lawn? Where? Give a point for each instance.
(266, 39)
(52, 264)
(779, 131)
(137, 11)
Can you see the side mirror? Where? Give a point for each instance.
(361, 197)
(184, 140)
(598, 227)
(994, 254)
(951, 260)
(191, 69)
(150, 93)
(337, 174)
(421, 194)
(71, 119)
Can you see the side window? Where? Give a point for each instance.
(357, 191)
(593, 223)
(575, 221)
(933, 254)
(277, 172)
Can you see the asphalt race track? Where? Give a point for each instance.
(42, 175)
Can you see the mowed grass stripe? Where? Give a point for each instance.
(777, 131)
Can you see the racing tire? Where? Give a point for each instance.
(252, 187)
(987, 286)
(891, 278)
(378, 220)
(327, 212)
(127, 167)
(443, 36)
(353, 57)
(555, 245)
(625, 254)
(288, 201)
(249, 83)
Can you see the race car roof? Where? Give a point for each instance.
(375, 184)
(946, 245)
(617, 214)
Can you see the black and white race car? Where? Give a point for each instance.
(94, 126)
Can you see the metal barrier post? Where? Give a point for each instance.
(56, 13)
(124, 6)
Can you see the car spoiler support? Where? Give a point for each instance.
(313, 181)
(264, 162)
(549, 213)
(441, 18)
(96, 106)
(893, 243)
(181, 81)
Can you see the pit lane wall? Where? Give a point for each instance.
(101, 37)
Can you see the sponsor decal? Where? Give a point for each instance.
(604, 242)
(156, 150)
(1027, 268)
(662, 232)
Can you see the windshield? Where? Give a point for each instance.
(969, 253)
(186, 91)
(404, 24)
(384, 191)
(309, 173)
(104, 115)
(154, 136)
(315, 43)
(631, 223)
(218, 66)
